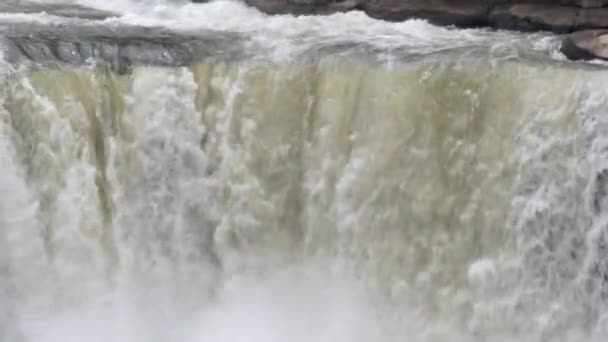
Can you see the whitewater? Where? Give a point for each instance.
(341, 179)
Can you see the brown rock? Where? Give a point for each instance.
(533, 17)
(591, 3)
(465, 13)
(586, 45)
(303, 6)
(574, 3)
(592, 19)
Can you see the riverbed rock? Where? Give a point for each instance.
(596, 18)
(534, 17)
(119, 49)
(464, 13)
(572, 3)
(586, 45)
(590, 3)
(298, 7)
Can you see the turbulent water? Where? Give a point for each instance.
(351, 181)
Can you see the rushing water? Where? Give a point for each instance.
(352, 181)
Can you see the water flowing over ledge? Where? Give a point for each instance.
(225, 30)
(148, 34)
(378, 182)
(527, 15)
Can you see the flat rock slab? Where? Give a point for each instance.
(586, 45)
(118, 47)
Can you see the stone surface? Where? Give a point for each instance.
(586, 45)
(303, 6)
(592, 19)
(465, 13)
(561, 16)
(534, 17)
(117, 48)
(574, 3)
(590, 3)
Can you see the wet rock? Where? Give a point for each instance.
(586, 45)
(303, 6)
(573, 3)
(464, 13)
(600, 191)
(592, 19)
(534, 17)
(561, 16)
(590, 3)
(118, 48)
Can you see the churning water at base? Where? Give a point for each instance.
(451, 197)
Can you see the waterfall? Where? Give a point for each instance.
(334, 190)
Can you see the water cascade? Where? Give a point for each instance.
(344, 194)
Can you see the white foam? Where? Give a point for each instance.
(482, 272)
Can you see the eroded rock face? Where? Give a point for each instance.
(586, 45)
(465, 13)
(534, 17)
(118, 48)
